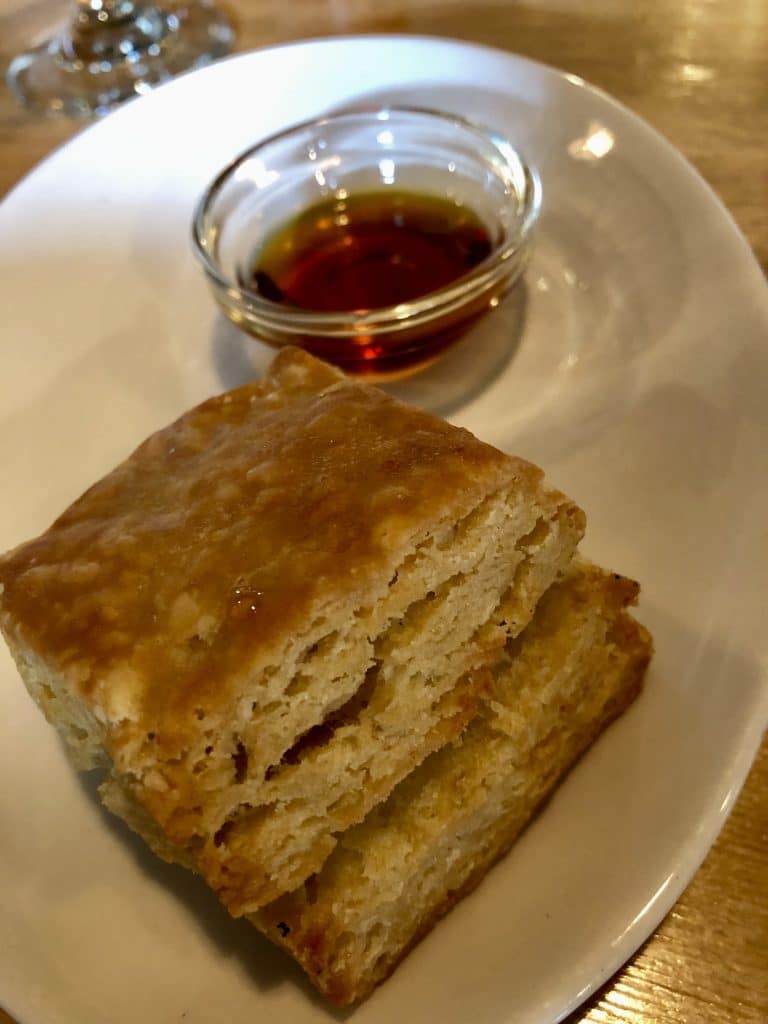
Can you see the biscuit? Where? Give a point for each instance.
(274, 610)
(577, 666)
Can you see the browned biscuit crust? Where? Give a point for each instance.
(235, 583)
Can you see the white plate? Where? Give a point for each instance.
(638, 379)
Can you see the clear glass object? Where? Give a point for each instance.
(421, 151)
(112, 50)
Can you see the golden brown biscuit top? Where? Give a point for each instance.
(222, 533)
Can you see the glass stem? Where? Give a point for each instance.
(103, 32)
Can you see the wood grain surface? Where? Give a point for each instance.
(698, 71)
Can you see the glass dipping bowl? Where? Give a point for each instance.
(410, 149)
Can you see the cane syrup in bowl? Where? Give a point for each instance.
(371, 239)
(370, 250)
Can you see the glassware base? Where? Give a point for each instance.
(54, 79)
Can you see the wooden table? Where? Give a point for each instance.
(698, 71)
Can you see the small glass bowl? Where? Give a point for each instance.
(414, 150)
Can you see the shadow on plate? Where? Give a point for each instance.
(472, 363)
(265, 965)
(238, 358)
(457, 377)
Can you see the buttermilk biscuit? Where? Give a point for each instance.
(274, 610)
(577, 666)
